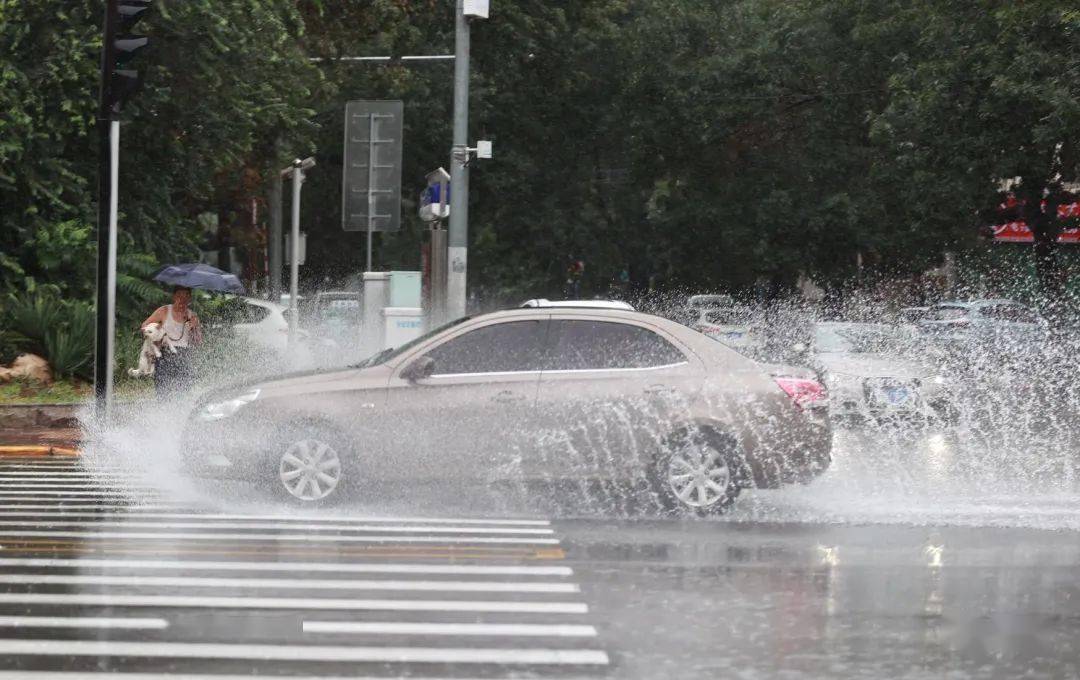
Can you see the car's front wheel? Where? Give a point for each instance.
(696, 473)
(310, 468)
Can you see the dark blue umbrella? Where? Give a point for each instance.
(202, 276)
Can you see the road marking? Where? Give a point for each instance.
(289, 583)
(306, 538)
(41, 475)
(44, 494)
(279, 518)
(81, 622)
(107, 509)
(321, 567)
(211, 602)
(24, 484)
(372, 551)
(122, 675)
(281, 525)
(201, 650)
(484, 629)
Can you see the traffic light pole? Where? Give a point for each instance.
(106, 233)
(117, 85)
(458, 234)
(106, 266)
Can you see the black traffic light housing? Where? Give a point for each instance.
(119, 47)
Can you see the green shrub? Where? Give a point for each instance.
(33, 314)
(61, 331)
(69, 347)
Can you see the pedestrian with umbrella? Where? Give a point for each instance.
(175, 371)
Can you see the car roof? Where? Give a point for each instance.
(579, 304)
(259, 302)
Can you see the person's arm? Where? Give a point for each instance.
(157, 317)
(196, 329)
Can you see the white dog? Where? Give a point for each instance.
(154, 338)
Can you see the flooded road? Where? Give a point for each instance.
(758, 600)
(101, 571)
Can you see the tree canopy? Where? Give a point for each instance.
(722, 144)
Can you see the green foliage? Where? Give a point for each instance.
(33, 315)
(728, 144)
(60, 330)
(69, 346)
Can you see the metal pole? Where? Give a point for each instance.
(275, 238)
(370, 188)
(438, 276)
(458, 236)
(106, 160)
(110, 332)
(294, 255)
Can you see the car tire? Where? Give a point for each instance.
(696, 473)
(310, 465)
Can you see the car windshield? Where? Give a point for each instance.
(390, 353)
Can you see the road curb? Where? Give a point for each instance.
(23, 450)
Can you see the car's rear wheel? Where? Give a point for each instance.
(696, 473)
(310, 467)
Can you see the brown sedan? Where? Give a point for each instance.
(541, 394)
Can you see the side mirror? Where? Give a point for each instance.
(422, 368)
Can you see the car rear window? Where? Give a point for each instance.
(581, 345)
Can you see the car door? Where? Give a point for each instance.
(611, 389)
(472, 416)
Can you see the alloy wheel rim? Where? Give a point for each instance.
(698, 475)
(310, 469)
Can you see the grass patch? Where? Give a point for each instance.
(60, 392)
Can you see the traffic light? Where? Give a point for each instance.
(119, 47)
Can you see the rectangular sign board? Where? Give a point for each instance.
(371, 174)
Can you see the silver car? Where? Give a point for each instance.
(983, 321)
(544, 394)
(871, 378)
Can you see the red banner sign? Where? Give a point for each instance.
(1018, 232)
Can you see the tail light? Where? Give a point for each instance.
(806, 393)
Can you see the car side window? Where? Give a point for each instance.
(597, 345)
(498, 348)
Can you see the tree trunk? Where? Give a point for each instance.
(1045, 228)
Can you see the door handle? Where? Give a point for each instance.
(508, 397)
(659, 389)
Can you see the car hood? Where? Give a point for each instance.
(872, 366)
(297, 382)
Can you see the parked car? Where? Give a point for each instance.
(537, 394)
(264, 326)
(871, 379)
(990, 321)
(337, 315)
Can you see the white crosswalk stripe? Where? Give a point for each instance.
(99, 564)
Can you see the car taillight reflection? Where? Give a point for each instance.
(806, 393)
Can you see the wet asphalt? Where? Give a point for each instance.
(103, 573)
